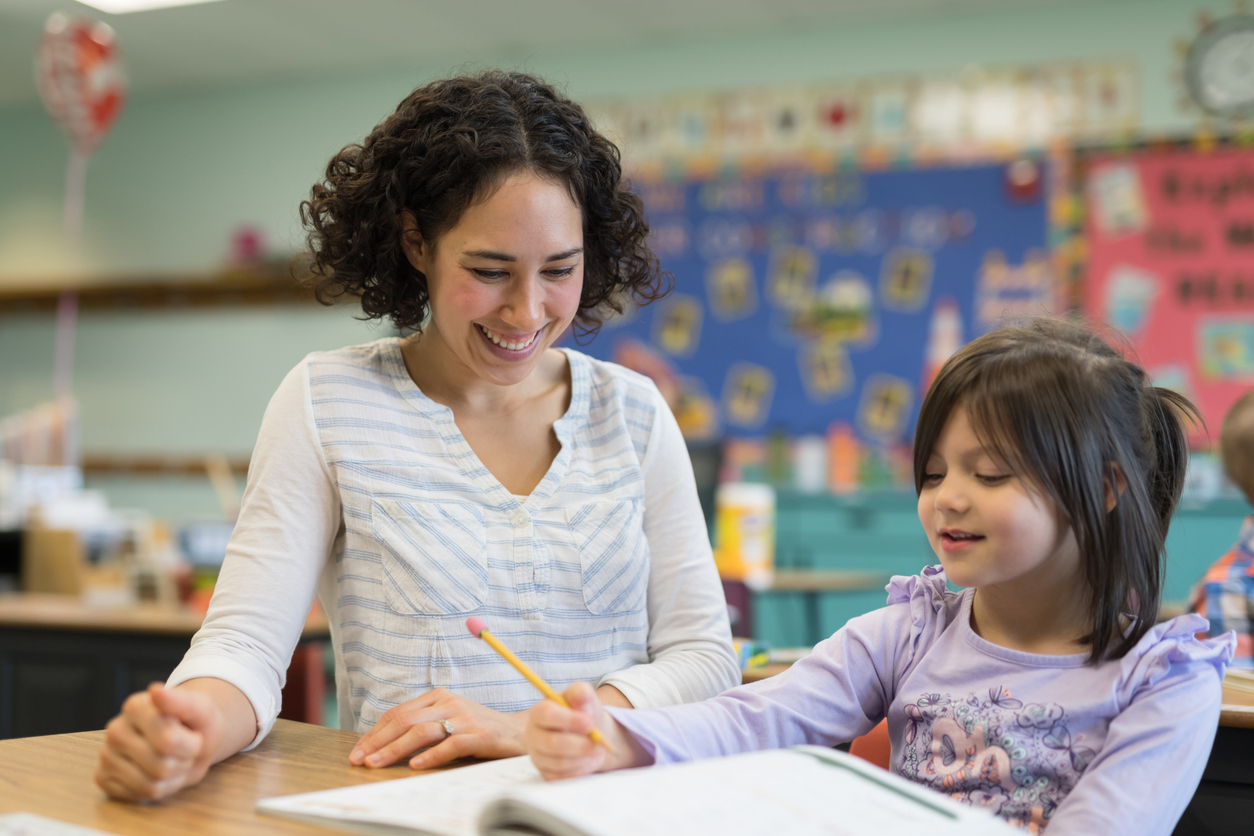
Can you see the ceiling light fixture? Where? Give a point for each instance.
(121, 7)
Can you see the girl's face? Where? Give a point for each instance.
(988, 526)
(505, 282)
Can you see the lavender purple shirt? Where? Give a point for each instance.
(1041, 740)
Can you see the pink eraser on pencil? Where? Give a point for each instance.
(476, 626)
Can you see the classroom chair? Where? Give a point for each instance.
(874, 746)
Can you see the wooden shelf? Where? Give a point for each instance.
(262, 285)
(115, 465)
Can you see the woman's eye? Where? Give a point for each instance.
(491, 275)
(560, 272)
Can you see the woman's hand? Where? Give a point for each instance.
(558, 741)
(405, 729)
(164, 739)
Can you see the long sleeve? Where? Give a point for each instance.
(838, 692)
(689, 642)
(287, 526)
(1155, 752)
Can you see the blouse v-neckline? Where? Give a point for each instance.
(468, 459)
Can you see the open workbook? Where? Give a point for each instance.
(801, 791)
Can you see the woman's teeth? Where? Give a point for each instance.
(508, 345)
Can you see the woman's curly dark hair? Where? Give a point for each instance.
(445, 147)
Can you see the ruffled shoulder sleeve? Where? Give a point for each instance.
(931, 606)
(1172, 646)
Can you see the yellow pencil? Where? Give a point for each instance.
(480, 631)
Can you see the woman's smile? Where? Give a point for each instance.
(507, 346)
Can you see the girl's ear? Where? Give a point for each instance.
(1115, 483)
(417, 251)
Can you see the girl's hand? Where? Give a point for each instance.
(558, 741)
(405, 729)
(164, 740)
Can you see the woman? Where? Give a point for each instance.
(469, 469)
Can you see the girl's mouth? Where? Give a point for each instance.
(952, 540)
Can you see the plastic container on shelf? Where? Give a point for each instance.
(744, 531)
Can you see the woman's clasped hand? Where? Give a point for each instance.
(166, 739)
(440, 726)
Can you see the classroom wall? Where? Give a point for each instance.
(181, 172)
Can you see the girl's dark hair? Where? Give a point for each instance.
(448, 145)
(1064, 409)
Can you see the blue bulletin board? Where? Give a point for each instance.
(806, 298)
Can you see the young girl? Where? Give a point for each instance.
(1047, 468)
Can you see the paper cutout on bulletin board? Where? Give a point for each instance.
(677, 328)
(842, 310)
(1226, 348)
(792, 276)
(1129, 296)
(732, 289)
(825, 369)
(906, 280)
(1116, 199)
(1178, 280)
(1006, 292)
(747, 395)
(885, 408)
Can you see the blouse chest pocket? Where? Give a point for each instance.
(432, 555)
(613, 554)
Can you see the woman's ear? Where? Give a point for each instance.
(1115, 484)
(417, 251)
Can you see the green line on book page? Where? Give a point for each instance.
(950, 814)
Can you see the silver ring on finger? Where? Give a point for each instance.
(448, 727)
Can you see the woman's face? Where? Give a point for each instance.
(505, 282)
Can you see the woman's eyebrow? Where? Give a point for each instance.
(492, 255)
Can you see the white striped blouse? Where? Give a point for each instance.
(363, 491)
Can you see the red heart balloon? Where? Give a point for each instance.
(81, 78)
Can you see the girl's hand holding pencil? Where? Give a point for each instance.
(559, 737)
(572, 731)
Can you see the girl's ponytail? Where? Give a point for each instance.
(1165, 412)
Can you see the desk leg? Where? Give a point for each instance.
(306, 685)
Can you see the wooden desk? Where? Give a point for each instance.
(53, 776)
(67, 667)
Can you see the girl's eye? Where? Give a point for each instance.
(932, 478)
(992, 480)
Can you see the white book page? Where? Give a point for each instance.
(443, 803)
(784, 792)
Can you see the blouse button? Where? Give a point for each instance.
(520, 517)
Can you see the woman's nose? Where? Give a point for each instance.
(524, 307)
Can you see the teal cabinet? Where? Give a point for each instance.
(1199, 535)
(872, 532)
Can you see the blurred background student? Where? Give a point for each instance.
(1225, 595)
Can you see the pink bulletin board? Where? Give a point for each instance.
(1170, 236)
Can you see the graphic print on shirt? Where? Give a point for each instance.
(993, 751)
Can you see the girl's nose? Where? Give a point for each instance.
(950, 496)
